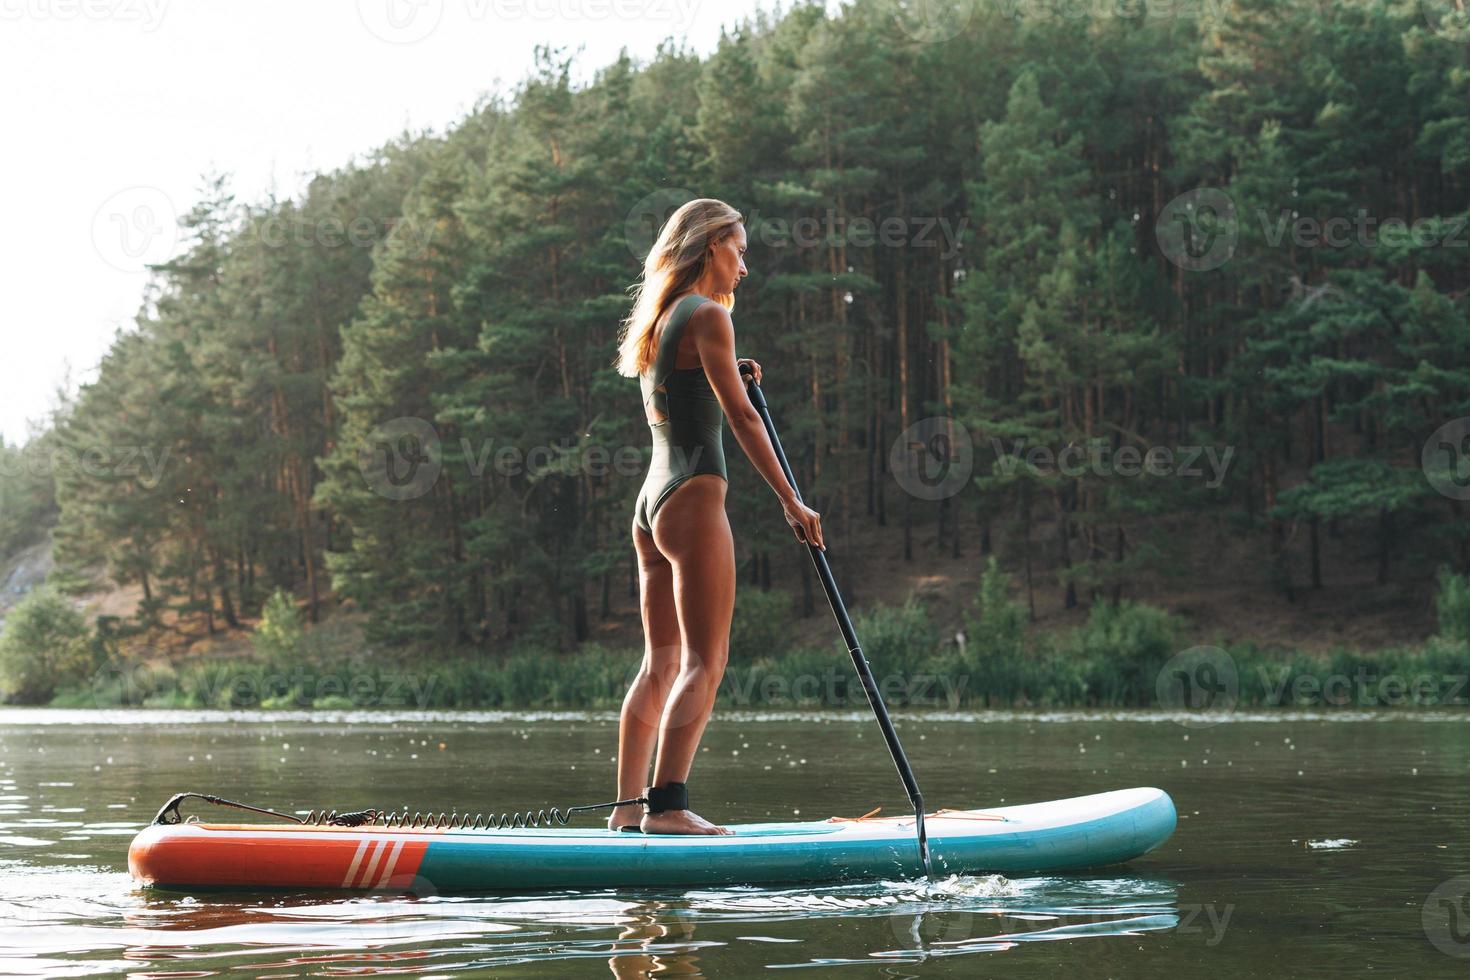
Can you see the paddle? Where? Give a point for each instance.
(839, 610)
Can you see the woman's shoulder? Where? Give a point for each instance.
(705, 308)
(701, 309)
(677, 304)
(688, 296)
(714, 316)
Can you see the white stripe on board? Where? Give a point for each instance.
(392, 860)
(356, 860)
(374, 855)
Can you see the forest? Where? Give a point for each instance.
(1054, 284)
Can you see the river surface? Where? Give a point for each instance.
(1308, 845)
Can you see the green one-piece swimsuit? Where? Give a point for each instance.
(688, 439)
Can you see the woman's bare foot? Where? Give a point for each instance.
(680, 822)
(624, 816)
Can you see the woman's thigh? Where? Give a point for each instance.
(656, 601)
(692, 531)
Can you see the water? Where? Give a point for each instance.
(1307, 844)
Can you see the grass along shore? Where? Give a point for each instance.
(1124, 655)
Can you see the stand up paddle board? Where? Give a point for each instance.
(1062, 835)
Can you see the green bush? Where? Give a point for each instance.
(1452, 604)
(997, 623)
(996, 652)
(761, 624)
(1123, 646)
(280, 634)
(820, 677)
(44, 646)
(897, 639)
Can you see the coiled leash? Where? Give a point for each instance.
(671, 796)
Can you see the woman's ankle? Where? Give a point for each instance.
(671, 795)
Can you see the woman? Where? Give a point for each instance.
(680, 342)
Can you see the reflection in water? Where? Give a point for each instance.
(656, 941)
(966, 915)
(105, 920)
(944, 933)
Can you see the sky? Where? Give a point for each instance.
(113, 110)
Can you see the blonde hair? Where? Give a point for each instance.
(674, 264)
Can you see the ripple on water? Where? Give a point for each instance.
(1331, 844)
(123, 717)
(89, 914)
(1259, 839)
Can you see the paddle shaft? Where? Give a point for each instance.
(844, 623)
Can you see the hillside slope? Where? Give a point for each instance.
(1213, 585)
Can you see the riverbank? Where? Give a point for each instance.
(1125, 655)
(1204, 678)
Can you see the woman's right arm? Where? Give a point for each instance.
(714, 340)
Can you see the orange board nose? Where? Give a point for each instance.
(249, 857)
